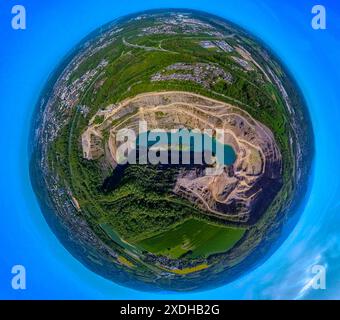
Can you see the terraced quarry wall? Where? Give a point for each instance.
(240, 192)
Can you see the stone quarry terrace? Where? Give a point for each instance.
(240, 190)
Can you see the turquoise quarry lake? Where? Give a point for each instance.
(189, 142)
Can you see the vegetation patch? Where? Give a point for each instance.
(194, 239)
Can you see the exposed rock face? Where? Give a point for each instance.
(238, 192)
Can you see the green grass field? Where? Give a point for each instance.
(193, 237)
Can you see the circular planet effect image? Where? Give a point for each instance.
(174, 227)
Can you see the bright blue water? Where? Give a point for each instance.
(28, 57)
(190, 141)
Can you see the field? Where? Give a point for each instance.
(193, 238)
